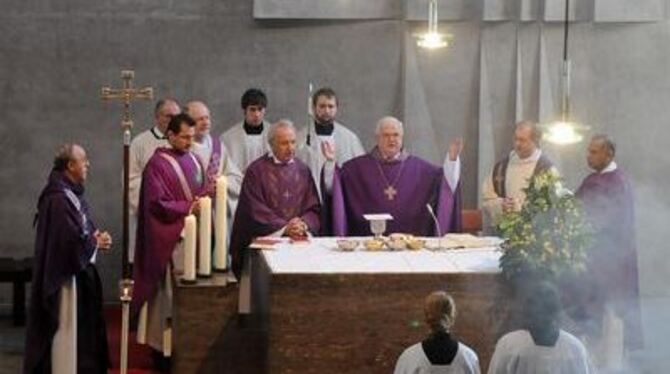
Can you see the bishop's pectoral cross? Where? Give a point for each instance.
(390, 192)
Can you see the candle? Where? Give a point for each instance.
(205, 233)
(221, 224)
(189, 248)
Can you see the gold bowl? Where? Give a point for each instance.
(374, 244)
(415, 243)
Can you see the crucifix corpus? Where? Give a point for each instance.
(127, 94)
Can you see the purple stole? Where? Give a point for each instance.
(213, 168)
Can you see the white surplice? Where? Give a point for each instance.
(346, 144)
(414, 361)
(517, 353)
(244, 149)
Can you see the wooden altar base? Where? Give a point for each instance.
(208, 334)
(361, 323)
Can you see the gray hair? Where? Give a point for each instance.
(389, 120)
(607, 142)
(63, 156)
(535, 132)
(188, 108)
(281, 124)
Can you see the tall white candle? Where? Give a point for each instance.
(205, 232)
(221, 224)
(189, 248)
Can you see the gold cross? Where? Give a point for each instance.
(390, 192)
(127, 94)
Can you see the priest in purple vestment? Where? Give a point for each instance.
(612, 277)
(66, 327)
(278, 196)
(389, 180)
(171, 183)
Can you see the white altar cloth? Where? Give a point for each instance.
(321, 256)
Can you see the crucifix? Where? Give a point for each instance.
(126, 95)
(390, 192)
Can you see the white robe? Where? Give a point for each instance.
(226, 167)
(142, 148)
(346, 144)
(414, 361)
(518, 173)
(244, 149)
(517, 353)
(64, 344)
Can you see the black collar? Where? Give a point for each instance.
(324, 129)
(252, 130)
(440, 348)
(156, 134)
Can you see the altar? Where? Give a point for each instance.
(355, 312)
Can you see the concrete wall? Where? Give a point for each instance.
(55, 56)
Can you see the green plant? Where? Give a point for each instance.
(548, 236)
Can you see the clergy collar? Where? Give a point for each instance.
(324, 129)
(276, 161)
(609, 168)
(401, 156)
(514, 157)
(157, 133)
(251, 129)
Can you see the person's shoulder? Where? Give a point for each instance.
(141, 138)
(417, 162)
(412, 352)
(301, 165)
(467, 352)
(345, 130)
(233, 130)
(514, 338)
(257, 164)
(364, 158)
(571, 340)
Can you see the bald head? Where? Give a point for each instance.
(526, 138)
(164, 111)
(282, 140)
(200, 114)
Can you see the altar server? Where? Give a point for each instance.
(440, 352)
(246, 141)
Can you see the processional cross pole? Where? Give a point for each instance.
(126, 95)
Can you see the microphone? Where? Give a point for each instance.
(437, 223)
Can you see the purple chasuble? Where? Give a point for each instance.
(359, 188)
(271, 195)
(64, 245)
(612, 259)
(163, 206)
